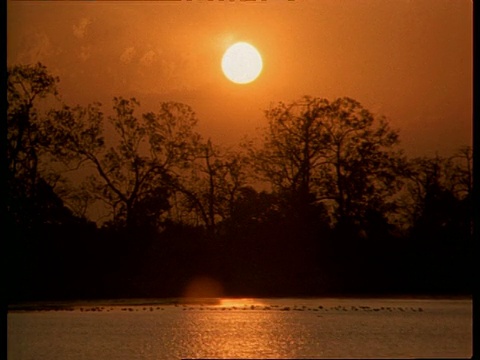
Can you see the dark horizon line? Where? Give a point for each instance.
(184, 300)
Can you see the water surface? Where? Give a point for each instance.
(246, 328)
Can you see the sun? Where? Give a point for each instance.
(242, 63)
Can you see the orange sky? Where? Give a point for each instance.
(409, 60)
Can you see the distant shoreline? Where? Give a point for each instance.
(70, 305)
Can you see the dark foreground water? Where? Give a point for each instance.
(246, 328)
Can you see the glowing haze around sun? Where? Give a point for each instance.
(242, 63)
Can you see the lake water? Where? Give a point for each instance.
(246, 328)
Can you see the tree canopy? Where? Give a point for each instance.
(333, 152)
(324, 200)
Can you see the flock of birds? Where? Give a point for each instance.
(184, 307)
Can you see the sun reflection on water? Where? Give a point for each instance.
(240, 303)
(236, 334)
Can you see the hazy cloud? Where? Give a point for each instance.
(148, 58)
(127, 55)
(80, 30)
(38, 47)
(85, 53)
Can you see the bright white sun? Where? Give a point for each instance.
(242, 63)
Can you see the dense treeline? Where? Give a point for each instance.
(322, 202)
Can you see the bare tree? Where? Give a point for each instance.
(26, 85)
(212, 183)
(337, 152)
(436, 187)
(462, 176)
(133, 174)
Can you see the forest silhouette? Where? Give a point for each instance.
(321, 202)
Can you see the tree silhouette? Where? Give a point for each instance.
(320, 219)
(211, 184)
(430, 181)
(25, 86)
(331, 152)
(437, 212)
(26, 179)
(132, 175)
